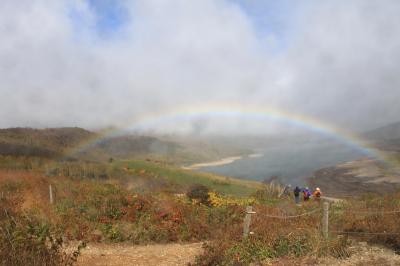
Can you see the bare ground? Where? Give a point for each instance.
(364, 254)
(181, 254)
(124, 254)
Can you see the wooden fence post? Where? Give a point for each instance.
(51, 194)
(325, 219)
(247, 221)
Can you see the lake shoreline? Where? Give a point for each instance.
(220, 162)
(223, 161)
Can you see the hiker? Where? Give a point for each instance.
(317, 193)
(306, 194)
(296, 193)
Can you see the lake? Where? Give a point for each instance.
(291, 161)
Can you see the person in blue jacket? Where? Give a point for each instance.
(296, 193)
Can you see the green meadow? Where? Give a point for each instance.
(185, 178)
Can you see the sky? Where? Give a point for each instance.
(99, 63)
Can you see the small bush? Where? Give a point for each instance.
(247, 251)
(199, 193)
(24, 240)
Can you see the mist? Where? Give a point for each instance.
(102, 63)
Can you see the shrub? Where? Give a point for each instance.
(199, 193)
(255, 249)
(24, 240)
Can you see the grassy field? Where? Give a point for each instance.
(141, 202)
(134, 173)
(185, 178)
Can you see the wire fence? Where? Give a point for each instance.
(368, 212)
(363, 233)
(338, 230)
(374, 211)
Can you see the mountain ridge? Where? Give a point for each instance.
(387, 132)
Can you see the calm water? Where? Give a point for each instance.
(292, 162)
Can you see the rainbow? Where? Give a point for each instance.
(258, 113)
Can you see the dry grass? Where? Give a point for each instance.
(373, 219)
(96, 211)
(99, 211)
(25, 239)
(299, 237)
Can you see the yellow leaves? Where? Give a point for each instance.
(195, 201)
(218, 200)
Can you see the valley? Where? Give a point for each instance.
(117, 200)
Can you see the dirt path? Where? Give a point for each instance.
(123, 254)
(181, 254)
(364, 254)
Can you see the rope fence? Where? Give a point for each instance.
(292, 216)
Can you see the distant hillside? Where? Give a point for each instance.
(386, 137)
(126, 145)
(49, 142)
(356, 178)
(389, 132)
(131, 146)
(174, 150)
(56, 143)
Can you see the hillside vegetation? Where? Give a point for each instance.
(185, 178)
(109, 210)
(386, 138)
(71, 144)
(48, 143)
(149, 200)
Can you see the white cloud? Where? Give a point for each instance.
(56, 69)
(345, 61)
